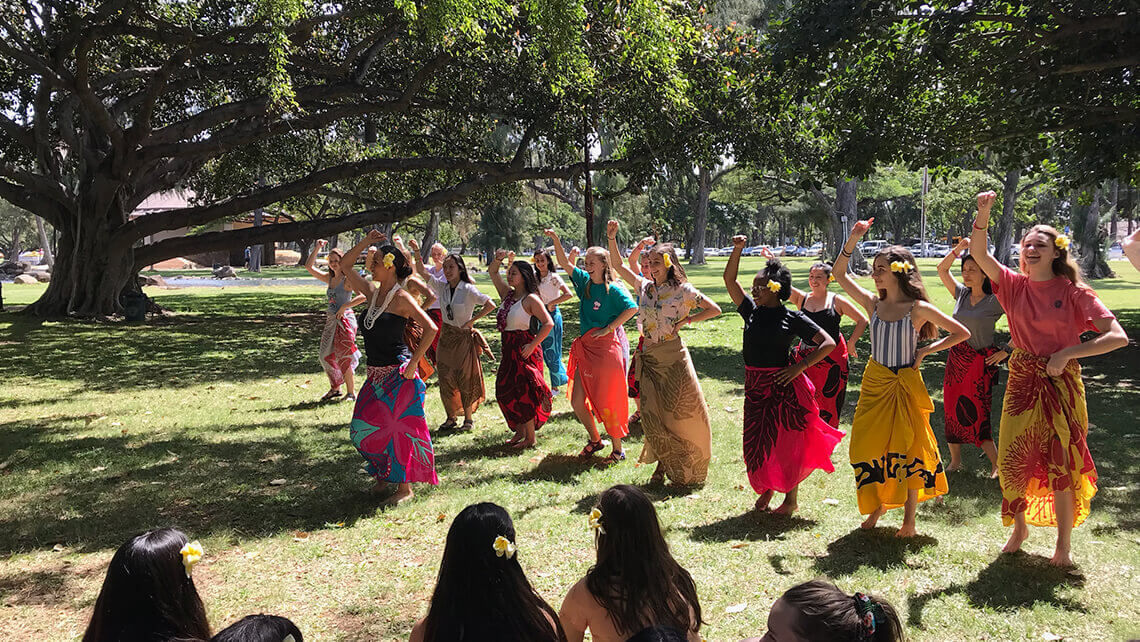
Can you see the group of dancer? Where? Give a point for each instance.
(796, 368)
(635, 590)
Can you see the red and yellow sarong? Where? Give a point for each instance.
(1043, 442)
(893, 449)
(600, 364)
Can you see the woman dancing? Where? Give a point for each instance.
(457, 352)
(1046, 470)
(639, 266)
(674, 414)
(785, 438)
(388, 426)
(597, 366)
(553, 291)
(893, 450)
(829, 376)
(339, 355)
(971, 366)
(520, 386)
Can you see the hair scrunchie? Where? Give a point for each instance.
(869, 613)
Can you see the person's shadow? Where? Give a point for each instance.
(1012, 582)
(874, 547)
(751, 526)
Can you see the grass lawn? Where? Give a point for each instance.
(106, 430)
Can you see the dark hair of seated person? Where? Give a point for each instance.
(260, 628)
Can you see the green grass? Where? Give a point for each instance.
(106, 430)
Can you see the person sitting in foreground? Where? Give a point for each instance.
(260, 628)
(817, 611)
(482, 593)
(635, 583)
(148, 593)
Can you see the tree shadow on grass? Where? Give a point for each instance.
(559, 468)
(202, 487)
(718, 362)
(752, 526)
(1012, 582)
(874, 548)
(239, 337)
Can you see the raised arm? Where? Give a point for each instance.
(497, 279)
(418, 261)
(797, 297)
(417, 287)
(733, 266)
(560, 252)
(635, 254)
(615, 256)
(1131, 246)
(979, 238)
(311, 261)
(355, 281)
(839, 269)
(947, 262)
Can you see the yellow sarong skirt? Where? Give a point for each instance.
(1042, 445)
(893, 449)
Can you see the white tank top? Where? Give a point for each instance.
(517, 317)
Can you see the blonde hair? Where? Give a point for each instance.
(340, 257)
(602, 255)
(1064, 265)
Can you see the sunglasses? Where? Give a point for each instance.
(450, 315)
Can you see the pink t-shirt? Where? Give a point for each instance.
(1047, 316)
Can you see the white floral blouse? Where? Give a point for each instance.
(662, 307)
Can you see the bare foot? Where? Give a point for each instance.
(521, 445)
(379, 488)
(399, 497)
(907, 530)
(994, 472)
(1016, 538)
(1062, 559)
(873, 518)
(764, 499)
(786, 508)
(954, 466)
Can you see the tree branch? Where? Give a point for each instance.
(1099, 66)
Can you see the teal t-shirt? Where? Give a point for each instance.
(603, 304)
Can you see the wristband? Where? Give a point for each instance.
(980, 228)
(845, 252)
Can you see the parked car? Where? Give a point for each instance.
(871, 248)
(940, 250)
(815, 250)
(791, 250)
(725, 251)
(711, 251)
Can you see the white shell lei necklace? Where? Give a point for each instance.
(373, 311)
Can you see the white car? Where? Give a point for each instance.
(871, 248)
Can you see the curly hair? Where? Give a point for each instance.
(778, 272)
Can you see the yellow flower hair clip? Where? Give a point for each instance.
(192, 553)
(1061, 241)
(774, 286)
(504, 547)
(901, 266)
(667, 260)
(831, 278)
(389, 260)
(596, 521)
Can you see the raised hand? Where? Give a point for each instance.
(647, 241)
(321, 243)
(376, 236)
(511, 256)
(739, 241)
(964, 244)
(986, 200)
(551, 234)
(767, 253)
(414, 244)
(860, 228)
(500, 255)
(611, 229)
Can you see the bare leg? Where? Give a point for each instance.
(764, 499)
(1018, 536)
(1065, 505)
(524, 436)
(658, 475)
(909, 510)
(617, 445)
(349, 383)
(789, 506)
(403, 493)
(873, 518)
(955, 458)
(379, 487)
(578, 402)
(991, 452)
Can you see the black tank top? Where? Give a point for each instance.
(384, 341)
(827, 319)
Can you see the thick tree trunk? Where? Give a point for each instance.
(1090, 242)
(701, 216)
(846, 204)
(431, 235)
(1003, 238)
(45, 243)
(303, 248)
(90, 276)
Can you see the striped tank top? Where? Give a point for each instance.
(893, 343)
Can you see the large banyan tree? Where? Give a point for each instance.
(104, 103)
